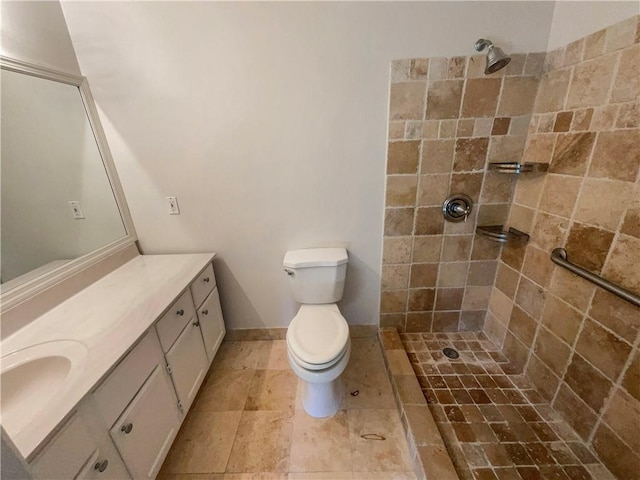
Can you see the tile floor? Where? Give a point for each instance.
(248, 422)
(495, 424)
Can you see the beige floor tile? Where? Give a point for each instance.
(384, 476)
(225, 390)
(320, 444)
(278, 356)
(272, 390)
(262, 442)
(372, 455)
(243, 355)
(299, 386)
(204, 443)
(366, 348)
(366, 375)
(190, 476)
(321, 476)
(255, 476)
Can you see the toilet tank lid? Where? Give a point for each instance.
(315, 257)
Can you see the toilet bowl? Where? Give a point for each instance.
(318, 349)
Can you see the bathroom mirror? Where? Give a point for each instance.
(62, 207)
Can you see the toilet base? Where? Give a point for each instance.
(322, 390)
(322, 400)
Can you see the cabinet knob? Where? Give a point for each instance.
(196, 324)
(205, 279)
(127, 428)
(101, 466)
(205, 312)
(180, 312)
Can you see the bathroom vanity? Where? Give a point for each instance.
(103, 349)
(109, 375)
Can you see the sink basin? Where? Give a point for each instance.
(32, 378)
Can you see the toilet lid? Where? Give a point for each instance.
(317, 335)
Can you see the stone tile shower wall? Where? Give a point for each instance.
(577, 343)
(447, 120)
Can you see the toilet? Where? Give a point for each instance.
(318, 344)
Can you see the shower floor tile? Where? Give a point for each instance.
(495, 424)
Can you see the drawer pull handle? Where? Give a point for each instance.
(205, 279)
(180, 312)
(101, 466)
(196, 324)
(127, 428)
(205, 312)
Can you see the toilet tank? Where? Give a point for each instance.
(316, 275)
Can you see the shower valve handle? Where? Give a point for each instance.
(457, 207)
(460, 210)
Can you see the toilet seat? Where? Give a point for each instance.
(318, 336)
(316, 366)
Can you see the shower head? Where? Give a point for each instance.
(496, 58)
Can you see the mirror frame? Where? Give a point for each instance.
(36, 285)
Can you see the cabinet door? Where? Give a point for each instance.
(211, 323)
(65, 455)
(188, 363)
(104, 466)
(145, 430)
(105, 463)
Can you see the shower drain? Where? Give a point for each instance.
(450, 353)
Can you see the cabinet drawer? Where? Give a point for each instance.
(115, 393)
(66, 453)
(173, 322)
(202, 286)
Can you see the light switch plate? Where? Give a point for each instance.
(172, 205)
(76, 210)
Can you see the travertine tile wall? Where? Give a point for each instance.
(575, 342)
(447, 120)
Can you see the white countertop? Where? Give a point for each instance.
(108, 317)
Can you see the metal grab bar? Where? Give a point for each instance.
(559, 257)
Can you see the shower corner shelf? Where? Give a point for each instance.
(518, 168)
(498, 234)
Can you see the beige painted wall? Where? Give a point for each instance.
(573, 20)
(36, 32)
(268, 122)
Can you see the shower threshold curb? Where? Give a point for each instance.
(429, 455)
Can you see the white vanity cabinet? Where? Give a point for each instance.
(207, 301)
(148, 352)
(80, 449)
(139, 407)
(145, 398)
